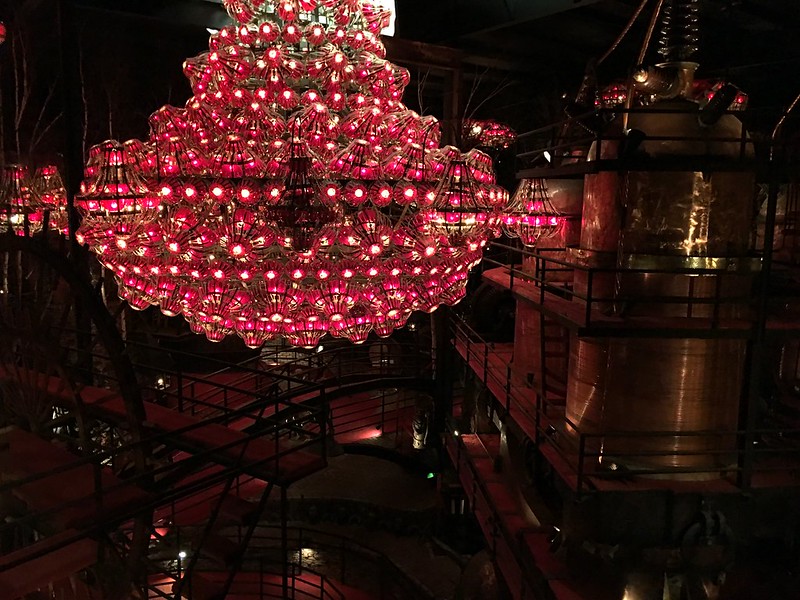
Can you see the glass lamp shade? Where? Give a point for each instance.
(18, 212)
(294, 194)
(28, 199)
(48, 189)
(531, 216)
(460, 212)
(488, 133)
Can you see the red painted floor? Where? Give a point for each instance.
(254, 586)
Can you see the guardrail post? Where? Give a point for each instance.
(285, 545)
(343, 563)
(180, 389)
(589, 282)
(581, 454)
(544, 274)
(717, 294)
(508, 388)
(486, 364)
(323, 424)
(383, 407)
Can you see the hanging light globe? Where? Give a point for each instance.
(31, 198)
(294, 194)
(530, 215)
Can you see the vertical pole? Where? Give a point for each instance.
(284, 544)
(73, 170)
(581, 461)
(756, 352)
(453, 108)
(443, 383)
(383, 409)
(750, 411)
(73, 127)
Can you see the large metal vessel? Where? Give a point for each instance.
(674, 232)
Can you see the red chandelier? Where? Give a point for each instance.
(531, 216)
(294, 195)
(29, 200)
(488, 133)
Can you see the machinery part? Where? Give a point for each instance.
(680, 34)
(620, 389)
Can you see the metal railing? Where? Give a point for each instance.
(337, 560)
(547, 282)
(475, 347)
(593, 455)
(568, 142)
(497, 520)
(597, 458)
(255, 390)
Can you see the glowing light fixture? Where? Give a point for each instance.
(27, 198)
(488, 134)
(294, 194)
(531, 216)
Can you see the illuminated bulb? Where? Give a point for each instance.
(252, 86)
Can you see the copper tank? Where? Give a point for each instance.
(653, 389)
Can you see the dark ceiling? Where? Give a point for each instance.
(755, 43)
(515, 57)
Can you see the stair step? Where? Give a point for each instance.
(221, 549)
(238, 510)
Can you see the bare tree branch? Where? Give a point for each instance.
(423, 80)
(476, 83)
(36, 135)
(82, 83)
(44, 131)
(22, 83)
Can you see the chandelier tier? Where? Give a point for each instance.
(294, 195)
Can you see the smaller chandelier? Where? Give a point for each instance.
(531, 216)
(26, 201)
(488, 133)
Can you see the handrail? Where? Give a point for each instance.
(576, 446)
(559, 136)
(513, 539)
(548, 288)
(238, 412)
(276, 399)
(345, 548)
